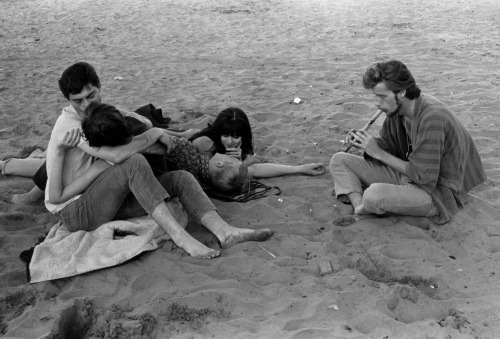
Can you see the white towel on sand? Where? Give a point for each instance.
(64, 254)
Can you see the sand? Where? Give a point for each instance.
(391, 277)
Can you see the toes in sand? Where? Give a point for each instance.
(197, 250)
(206, 253)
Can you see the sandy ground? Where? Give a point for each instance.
(393, 277)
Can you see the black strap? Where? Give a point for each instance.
(251, 191)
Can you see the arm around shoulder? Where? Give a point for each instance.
(118, 154)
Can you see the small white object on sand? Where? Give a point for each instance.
(267, 251)
(297, 100)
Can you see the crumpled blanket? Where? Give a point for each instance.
(64, 254)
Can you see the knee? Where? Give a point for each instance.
(134, 165)
(136, 160)
(183, 177)
(338, 159)
(177, 181)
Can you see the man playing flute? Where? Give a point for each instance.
(422, 164)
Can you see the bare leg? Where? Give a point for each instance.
(162, 215)
(229, 235)
(26, 167)
(183, 185)
(32, 197)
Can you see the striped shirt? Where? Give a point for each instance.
(442, 160)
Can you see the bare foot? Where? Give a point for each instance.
(347, 220)
(196, 249)
(25, 199)
(33, 197)
(242, 235)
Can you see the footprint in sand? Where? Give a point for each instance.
(75, 320)
(408, 305)
(457, 321)
(13, 305)
(17, 221)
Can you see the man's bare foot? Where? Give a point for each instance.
(347, 220)
(196, 249)
(240, 235)
(29, 198)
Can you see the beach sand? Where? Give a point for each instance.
(392, 277)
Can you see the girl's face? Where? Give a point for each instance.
(230, 141)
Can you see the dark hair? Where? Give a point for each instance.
(231, 121)
(396, 76)
(104, 125)
(76, 77)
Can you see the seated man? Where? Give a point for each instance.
(423, 163)
(86, 196)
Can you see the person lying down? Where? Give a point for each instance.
(104, 125)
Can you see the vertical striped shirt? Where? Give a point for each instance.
(443, 159)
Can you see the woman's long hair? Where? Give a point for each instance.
(231, 121)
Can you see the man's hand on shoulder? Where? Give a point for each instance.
(70, 139)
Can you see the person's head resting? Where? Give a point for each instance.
(231, 129)
(227, 173)
(104, 125)
(395, 75)
(80, 84)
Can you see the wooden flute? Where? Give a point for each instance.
(366, 127)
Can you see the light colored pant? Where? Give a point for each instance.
(387, 190)
(129, 190)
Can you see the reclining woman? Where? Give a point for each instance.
(103, 125)
(231, 134)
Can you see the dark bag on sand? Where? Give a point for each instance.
(252, 190)
(154, 115)
(26, 256)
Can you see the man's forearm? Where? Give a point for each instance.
(119, 154)
(392, 161)
(157, 148)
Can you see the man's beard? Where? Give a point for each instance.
(399, 103)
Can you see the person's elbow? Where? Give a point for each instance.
(252, 173)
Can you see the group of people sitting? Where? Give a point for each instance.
(422, 164)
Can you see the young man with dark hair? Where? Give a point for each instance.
(423, 162)
(80, 85)
(128, 188)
